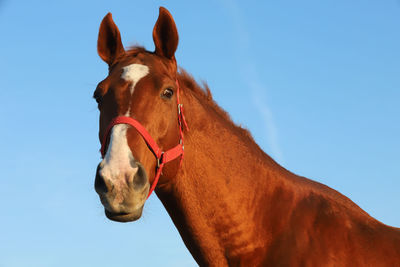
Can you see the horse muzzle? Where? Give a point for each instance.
(122, 194)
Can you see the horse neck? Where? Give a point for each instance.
(214, 199)
(230, 201)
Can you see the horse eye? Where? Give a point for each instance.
(168, 93)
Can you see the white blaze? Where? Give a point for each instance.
(133, 73)
(118, 158)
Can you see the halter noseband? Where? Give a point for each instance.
(162, 157)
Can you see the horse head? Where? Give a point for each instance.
(140, 85)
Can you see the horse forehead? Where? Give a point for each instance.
(134, 72)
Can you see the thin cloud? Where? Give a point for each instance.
(251, 77)
(258, 97)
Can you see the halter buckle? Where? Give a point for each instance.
(180, 109)
(160, 160)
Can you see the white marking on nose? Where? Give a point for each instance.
(117, 161)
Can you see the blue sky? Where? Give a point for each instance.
(316, 82)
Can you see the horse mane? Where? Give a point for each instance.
(203, 94)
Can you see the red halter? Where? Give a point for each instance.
(162, 157)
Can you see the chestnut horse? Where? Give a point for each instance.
(232, 204)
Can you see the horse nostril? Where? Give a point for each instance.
(140, 178)
(100, 184)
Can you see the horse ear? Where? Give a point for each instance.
(109, 45)
(165, 35)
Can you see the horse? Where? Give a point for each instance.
(232, 204)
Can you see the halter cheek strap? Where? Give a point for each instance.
(161, 157)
